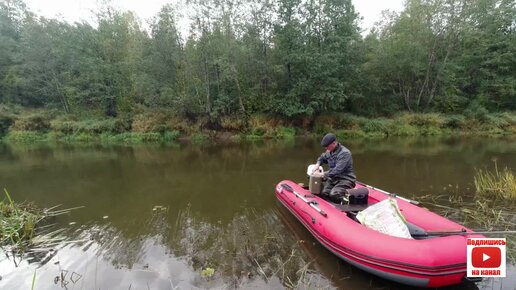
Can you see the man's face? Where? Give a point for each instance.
(331, 146)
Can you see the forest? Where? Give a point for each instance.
(284, 59)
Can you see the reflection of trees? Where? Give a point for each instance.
(123, 248)
(251, 249)
(250, 246)
(432, 145)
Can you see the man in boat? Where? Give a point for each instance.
(340, 177)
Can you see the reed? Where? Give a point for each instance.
(480, 214)
(33, 280)
(20, 222)
(497, 184)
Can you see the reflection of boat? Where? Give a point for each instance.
(428, 262)
(341, 276)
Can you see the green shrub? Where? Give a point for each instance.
(346, 134)
(239, 137)
(5, 123)
(26, 136)
(149, 122)
(403, 129)
(429, 130)
(63, 126)
(32, 122)
(180, 124)
(98, 126)
(285, 133)
(455, 121)
(348, 121)
(233, 124)
(81, 137)
(450, 103)
(95, 126)
(358, 122)
(170, 136)
(497, 121)
(322, 129)
(426, 124)
(131, 138)
(475, 110)
(249, 137)
(198, 138)
(329, 121)
(424, 120)
(376, 126)
(258, 132)
(123, 125)
(147, 137)
(509, 117)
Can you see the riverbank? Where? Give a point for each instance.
(30, 126)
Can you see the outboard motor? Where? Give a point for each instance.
(316, 182)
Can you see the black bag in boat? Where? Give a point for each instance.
(358, 195)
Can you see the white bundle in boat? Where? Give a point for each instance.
(385, 217)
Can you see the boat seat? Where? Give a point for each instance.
(351, 207)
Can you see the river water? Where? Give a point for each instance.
(188, 216)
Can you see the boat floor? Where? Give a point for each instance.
(352, 210)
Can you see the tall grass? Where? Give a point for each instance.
(26, 137)
(482, 213)
(131, 138)
(199, 138)
(19, 224)
(497, 184)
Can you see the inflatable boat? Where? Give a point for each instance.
(435, 256)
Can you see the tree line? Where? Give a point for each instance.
(287, 58)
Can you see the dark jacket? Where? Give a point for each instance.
(340, 162)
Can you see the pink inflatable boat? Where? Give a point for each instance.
(435, 257)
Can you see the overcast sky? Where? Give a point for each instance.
(76, 10)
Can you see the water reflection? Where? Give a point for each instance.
(250, 251)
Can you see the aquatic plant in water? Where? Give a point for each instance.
(500, 184)
(480, 214)
(19, 222)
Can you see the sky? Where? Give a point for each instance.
(77, 10)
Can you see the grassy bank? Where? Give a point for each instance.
(29, 126)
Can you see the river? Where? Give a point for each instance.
(198, 216)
